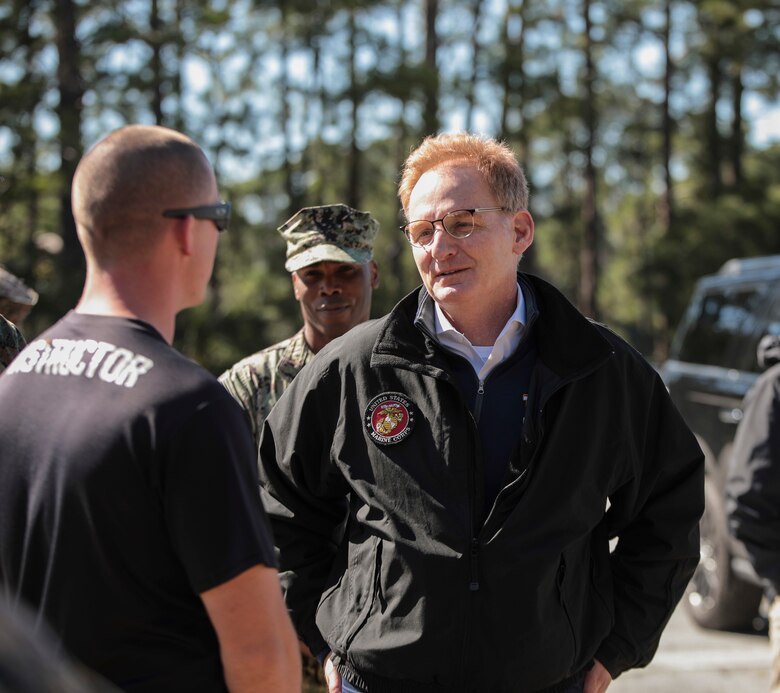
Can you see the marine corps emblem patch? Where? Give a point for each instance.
(389, 418)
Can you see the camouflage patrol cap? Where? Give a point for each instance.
(14, 289)
(335, 233)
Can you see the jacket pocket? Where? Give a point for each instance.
(601, 573)
(369, 598)
(562, 595)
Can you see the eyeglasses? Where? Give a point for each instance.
(458, 223)
(218, 213)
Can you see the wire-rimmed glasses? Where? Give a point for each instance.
(458, 223)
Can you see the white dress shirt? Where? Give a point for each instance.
(483, 359)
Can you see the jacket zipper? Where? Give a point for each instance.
(474, 583)
(478, 403)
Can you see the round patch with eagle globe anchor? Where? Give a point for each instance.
(389, 418)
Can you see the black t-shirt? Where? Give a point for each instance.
(128, 485)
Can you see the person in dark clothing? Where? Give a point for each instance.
(32, 659)
(443, 483)
(753, 486)
(129, 515)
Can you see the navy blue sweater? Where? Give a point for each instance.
(499, 410)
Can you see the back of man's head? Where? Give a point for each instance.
(123, 184)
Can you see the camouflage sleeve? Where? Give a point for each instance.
(11, 342)
(240, 388)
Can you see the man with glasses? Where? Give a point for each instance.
(438, 480)
(330, 258)
(129, 517)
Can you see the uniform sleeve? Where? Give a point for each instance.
(11, 342)
(305, 495)
(655, 516)
(239, 385)
(211, 500)
(753, 484)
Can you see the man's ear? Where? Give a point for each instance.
(524, 231)
(373, 267)
(295, 281)
(183, 231)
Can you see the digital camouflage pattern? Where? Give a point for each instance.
(11, 342)
(16, 299)
(336, 233)
(258, 381)
(15, 290)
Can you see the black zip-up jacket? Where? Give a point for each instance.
(384, 559)
(753, 481)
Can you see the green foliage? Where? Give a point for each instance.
(291, 117)
(710, 231)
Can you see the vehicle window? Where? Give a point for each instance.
(769, 325)
(719, 324)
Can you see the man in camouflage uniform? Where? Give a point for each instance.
(16, 301)
(329, 254)
(11, 342)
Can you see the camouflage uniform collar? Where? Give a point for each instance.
(295, 355)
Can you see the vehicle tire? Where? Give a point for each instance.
(715, 597)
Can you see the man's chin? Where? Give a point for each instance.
(335, 328)
(444, 295)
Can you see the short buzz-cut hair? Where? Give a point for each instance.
(123, 184)
(493, 159)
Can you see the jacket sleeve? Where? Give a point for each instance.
(753, 483)
(304, 494)
(654, 516)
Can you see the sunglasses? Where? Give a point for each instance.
(218, 213)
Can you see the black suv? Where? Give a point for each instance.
(712, 365)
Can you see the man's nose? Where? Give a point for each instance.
(442, 244)
(330, 285)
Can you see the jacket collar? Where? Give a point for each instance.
(557, 325)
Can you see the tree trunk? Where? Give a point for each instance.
(311, 96)
(712, 145)
(471, 86)
(290, 183)
(178, 119)
(156, 61)
(737, 128)
(506, 74)
(658, 325)
(398, 246)
(667, 199)
(353, 182)
(431, 107)
(70, 84)
(589, 250)
(514, 84)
